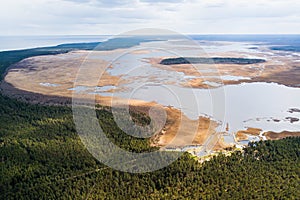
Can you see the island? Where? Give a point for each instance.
(214, 60)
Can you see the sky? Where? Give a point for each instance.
(108, 17)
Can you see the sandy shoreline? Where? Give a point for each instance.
(178, 131)
(276, 136)
(49, 80)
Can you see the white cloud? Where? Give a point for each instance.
(112, 17)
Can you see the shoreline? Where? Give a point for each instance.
(48, 97)
(168, 136)
(158, 140)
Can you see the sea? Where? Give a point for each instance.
(8, 43)
(25, 42)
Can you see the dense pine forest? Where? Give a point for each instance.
(200, 60)
(42, 157)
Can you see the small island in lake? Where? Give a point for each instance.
(215, 60)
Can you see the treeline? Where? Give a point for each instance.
(286, 48)
(197, 60)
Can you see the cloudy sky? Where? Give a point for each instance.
(92, 17)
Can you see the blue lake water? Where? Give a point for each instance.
(25, 42)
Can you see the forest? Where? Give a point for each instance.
(216, 60)
(295, 48)
(42, 157)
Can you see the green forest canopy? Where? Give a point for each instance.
(215, 60)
